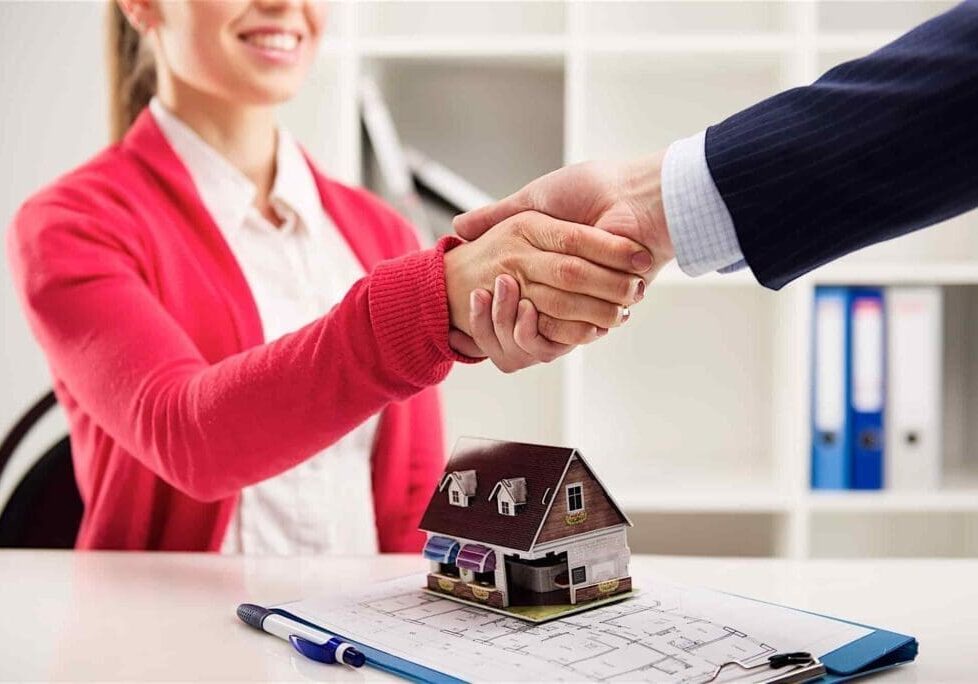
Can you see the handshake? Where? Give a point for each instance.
(556, 264)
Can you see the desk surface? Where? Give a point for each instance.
(138, 616)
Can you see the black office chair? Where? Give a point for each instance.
(44, 510)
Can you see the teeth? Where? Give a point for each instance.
(286, 42)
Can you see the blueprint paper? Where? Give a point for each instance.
(668, 633)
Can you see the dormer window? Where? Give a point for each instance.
(461, 486)
(510, 495)
(575, 497)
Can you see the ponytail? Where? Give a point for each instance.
(132, 73)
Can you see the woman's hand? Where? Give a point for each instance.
(580, 279)
(505, 328)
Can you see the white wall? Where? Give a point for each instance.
(53, 115)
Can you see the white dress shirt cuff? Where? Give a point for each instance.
(701, 228)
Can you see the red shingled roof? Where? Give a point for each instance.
(541, 466)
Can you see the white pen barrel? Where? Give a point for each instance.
(284, 628)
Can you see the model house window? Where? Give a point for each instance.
(504, 508)
(575, 498)
(455, 497)
(579, 575)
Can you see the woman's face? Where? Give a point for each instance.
(253, 52)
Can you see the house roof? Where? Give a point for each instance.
(541, 468)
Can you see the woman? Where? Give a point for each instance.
(233, 378)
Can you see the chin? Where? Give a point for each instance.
(268, 94)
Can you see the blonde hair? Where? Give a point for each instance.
(132, 72)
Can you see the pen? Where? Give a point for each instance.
(311, 642)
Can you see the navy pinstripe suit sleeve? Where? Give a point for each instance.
(876, 148)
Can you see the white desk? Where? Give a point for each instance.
(139, 616)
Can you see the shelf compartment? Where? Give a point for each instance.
(835, 48)
(960, 391)
(480, 401)
(697, 45)
(682, 393)
(888, 534)
(902, 272)
(421, 20)
(471, 124)
(734, 498)
(897, 16)
(616, 18)
(462, 46)
(641, 104)
(709, 534)
(894, 502)
(958, 488)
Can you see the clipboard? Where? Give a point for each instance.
(877, 650)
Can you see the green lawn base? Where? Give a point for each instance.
(538, 614)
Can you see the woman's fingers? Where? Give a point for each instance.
(480, 323)
(593, 244)
(574, 274)
(528, 337)
(569, 306)
(506, 329)
(505, 303)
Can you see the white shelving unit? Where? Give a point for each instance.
(695, 412)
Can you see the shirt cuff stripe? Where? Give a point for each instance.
(699, 223)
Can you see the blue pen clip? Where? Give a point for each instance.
(334, 650)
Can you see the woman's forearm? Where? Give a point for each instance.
(210, 429)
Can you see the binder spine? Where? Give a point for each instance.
(867, 386)
(915, 379)
(830, 457)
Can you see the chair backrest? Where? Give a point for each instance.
(45, 508)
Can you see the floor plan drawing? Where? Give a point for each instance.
(619, 641)
(666, 634)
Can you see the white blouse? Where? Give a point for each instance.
(297, 272)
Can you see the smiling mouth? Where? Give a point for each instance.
(282, 41)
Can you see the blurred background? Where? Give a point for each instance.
(697, 413)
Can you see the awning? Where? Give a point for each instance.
(441, 549)
(476, 557)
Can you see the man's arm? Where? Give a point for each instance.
(876, 148)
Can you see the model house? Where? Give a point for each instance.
(524, 525)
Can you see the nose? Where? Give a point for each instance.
(278, 5)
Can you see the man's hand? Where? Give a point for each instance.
(623, 199)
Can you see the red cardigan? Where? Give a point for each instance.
(155, 345)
